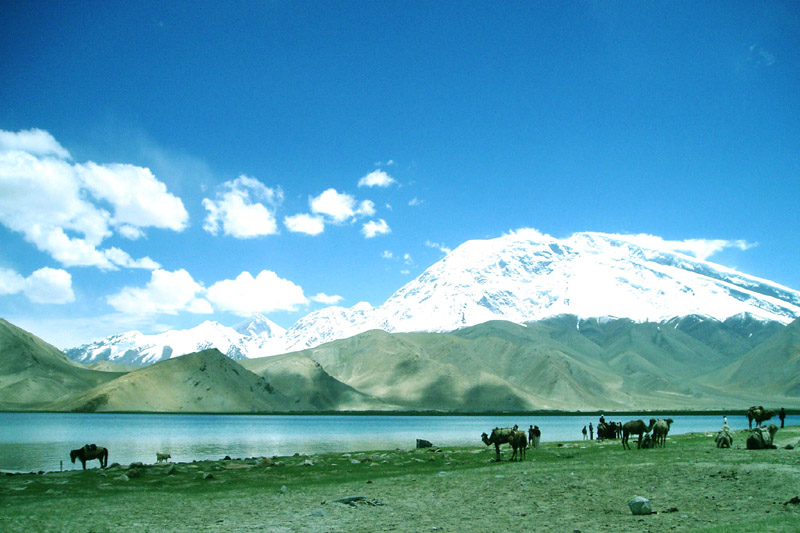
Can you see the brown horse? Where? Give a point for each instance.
(89, 452)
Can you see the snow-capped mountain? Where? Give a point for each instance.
(136, 348)
(521, 277)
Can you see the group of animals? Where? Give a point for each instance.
(89, 452)
(759, 438)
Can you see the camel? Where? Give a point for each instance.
(724, 439)
(89, 452)
(660, 430)
(506, 436)
(761, 438)
(635, 427)
(759, 414)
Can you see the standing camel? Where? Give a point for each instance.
(635, 427)
(660, 430)
(759, 414)
(516, 439)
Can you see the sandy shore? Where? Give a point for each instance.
(584, 486)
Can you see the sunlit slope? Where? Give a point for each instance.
(772, 367)
(204, 381)
(300, 377)
(33, 372)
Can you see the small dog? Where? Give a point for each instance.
(162, 457)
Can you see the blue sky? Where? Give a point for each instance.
(161, 165)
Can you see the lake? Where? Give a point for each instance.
(40, 441)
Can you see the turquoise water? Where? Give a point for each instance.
(41, 441)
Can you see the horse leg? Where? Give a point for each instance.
(497, 450)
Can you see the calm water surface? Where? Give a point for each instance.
(40, 441)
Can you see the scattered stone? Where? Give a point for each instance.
(123, 477)
(137, 464)
(283, 489)
(355, 462)
(793, 501)
(171, 470)
(266, 461)
(318, 512)
(640, 506)
(350, 500)
(422, 443)
(208, 476)
(113, 465)
(308, 462)
(227, 458)
(134, 472)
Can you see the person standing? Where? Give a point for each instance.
(537, 435)
(584, 433)
(591, 431)
(782, 415)
(530, 437)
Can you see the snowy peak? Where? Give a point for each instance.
(259, 326)
(524, 276)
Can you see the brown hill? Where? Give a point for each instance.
(34, 373)
(206, 381)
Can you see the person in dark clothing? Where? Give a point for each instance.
(591, 431)
(584, 433)
(782, 415)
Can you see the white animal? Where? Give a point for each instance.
(162, 457)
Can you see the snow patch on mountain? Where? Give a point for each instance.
(523, 276)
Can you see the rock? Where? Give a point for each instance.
(422, 443)
(640, 505)
(171, 470)
(134, 472)
(318, 512)
(137, 464)
(350, 500)
(308, 462)
(208, 476)
(123, 477)
(283, 489)
(355, 462)
(266, 461)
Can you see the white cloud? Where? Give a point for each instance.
(245, 210)
(11, 282)
(138, 198)
(67, 210)
(366, 208)
(372, 228)
(436, 246)
(387, 254)
(49, 286)
(376, 178)
(414, 202)
(34, 141)
(265, 293)
(166, 292)
(699, 248)
(326, 299)
(46, 285)
(338, 206)
(305, 223)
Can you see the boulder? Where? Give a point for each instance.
(640, 505)
(422, 443)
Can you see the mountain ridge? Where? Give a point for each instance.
(521, 277)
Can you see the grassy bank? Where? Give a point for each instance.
(585, 486)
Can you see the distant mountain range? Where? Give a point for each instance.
(521, 277)
(560, 363)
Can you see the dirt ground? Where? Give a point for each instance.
(576, 486)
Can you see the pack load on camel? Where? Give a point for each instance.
(761, 438)
(515, 438)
